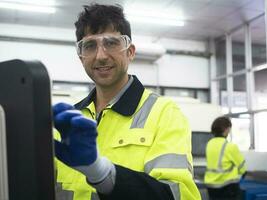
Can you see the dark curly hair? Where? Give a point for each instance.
(219, 125)
(96, 18)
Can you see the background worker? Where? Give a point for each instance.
(225, 163)
(125, 143)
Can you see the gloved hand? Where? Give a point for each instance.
(77, 147)
(78, 134)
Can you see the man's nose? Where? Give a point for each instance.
(101, 52)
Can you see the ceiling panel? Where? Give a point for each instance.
(142, 29)
(255, 5)
(188, 9)
(147, 4)
(228, 25)
(203, 18)
(232, 3)
(195, 30)
(243, 15)
(215, 12)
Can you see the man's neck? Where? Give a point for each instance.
(105, 95)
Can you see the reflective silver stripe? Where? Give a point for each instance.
(222, 170)
(220, 167)
(221, 155)
(141, 116)
(223, 184)
(178, 161)
(62, 194)
(94, 196)
(174, 188)
(241, 165)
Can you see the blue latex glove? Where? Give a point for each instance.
(78, 134)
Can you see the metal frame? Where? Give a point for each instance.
(250, 88)
(248, 71)
(229, 70)
(214, 94)
(3, 158)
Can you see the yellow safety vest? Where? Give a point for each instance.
(225, 163)
(156, 140)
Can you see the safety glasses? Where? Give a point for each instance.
(111, 44)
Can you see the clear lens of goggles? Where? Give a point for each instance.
(111, 44)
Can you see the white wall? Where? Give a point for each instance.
(185, 71)
(145, 71)
(63, 63)
(255, 161)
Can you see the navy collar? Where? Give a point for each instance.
(127, 103)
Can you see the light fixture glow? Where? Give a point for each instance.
(154, 16)
(153, 20)
(28, 7)
(32, 2)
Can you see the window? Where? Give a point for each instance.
(223, 95)
(239, 103)
(69, 92)
(238, 50)
(221, 57)
(258, 39)
(240, 133)
(260, 99)
(201, 94)
(261, 131)
(175, 92)
(248, 113)
(153, 89)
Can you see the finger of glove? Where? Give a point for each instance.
(81, 122)
(83, 131)
(82, 141)
(60, 107)
(62, 153)
(73, 155)
(63, 120)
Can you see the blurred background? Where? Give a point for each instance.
(208, 55)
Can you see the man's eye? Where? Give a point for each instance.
(89, 45)
(111, 42)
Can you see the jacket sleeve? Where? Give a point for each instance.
(169, 160)
(133, 185)
(238, 159)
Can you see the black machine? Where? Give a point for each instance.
(199, 143)
(26, 131)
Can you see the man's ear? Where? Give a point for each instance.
(131, 52)
(227, 131)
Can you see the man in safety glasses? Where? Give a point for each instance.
(121, 142)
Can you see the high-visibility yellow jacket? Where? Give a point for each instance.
(225, 163)
(142, 134)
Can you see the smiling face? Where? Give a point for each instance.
(107, 67)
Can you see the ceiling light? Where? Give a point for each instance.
(32, 2)
(28, 7)
(153, 20)
(152, 16)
